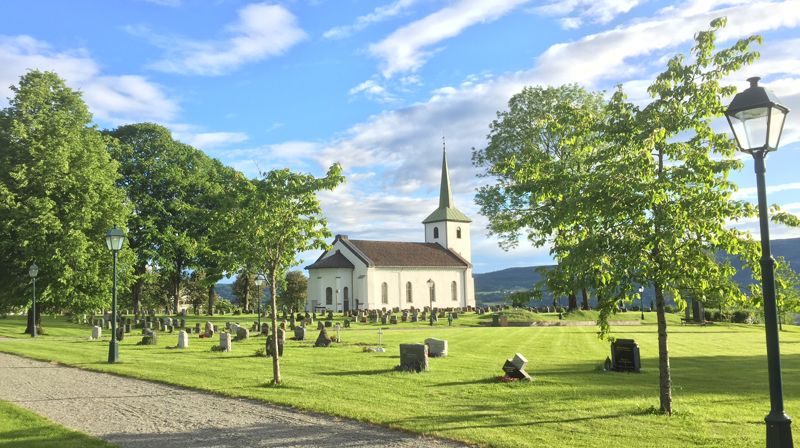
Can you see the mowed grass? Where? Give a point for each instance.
(719, 376)
(21, 428)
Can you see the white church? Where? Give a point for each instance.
(363, 274)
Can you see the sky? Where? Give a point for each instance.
(375, 85)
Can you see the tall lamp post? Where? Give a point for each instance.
(756, 118)
(260, 280)
(430, 296)
(33, 271)
(114, 241)
(641, 300)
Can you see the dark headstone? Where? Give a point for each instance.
(150, 337)
(269, 346)
(323, 340)
(515, 368)
(347, 323)
(328, 324)
(414, 357)
(320, 325)
(299, 333)
(625, 356)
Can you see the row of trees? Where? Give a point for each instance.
(190, 220)
(626, 195)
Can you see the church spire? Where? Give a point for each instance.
(445, 194)
(446, 211)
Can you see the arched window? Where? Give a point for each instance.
(453, 291)
(409, 293)
(436, 232)
(384, 293)
(458, 232)
(329, 296)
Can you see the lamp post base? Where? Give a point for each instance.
(779, 431)
(113, 352)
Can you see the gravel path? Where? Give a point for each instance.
(136, 413)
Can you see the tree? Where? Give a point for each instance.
(519, 298)
(641, 197)
(295, 292)
(58, 198)
(245, 289)
(174, 189)
(279, 217)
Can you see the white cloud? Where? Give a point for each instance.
(751, 192)
(595, 11)
(372, 90)
(210, 140)
(407, 48)
(261, 31)
(112, 99)
(379, 14)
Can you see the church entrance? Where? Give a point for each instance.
(346, 299)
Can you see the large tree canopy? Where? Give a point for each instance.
(58, 198)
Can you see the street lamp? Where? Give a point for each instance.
(430, 296)
(756, 118)
(33, 271)
(260, 280)
(641, 300)
(114, 241)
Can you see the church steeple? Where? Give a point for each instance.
(447, 210)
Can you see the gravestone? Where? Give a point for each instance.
(320, 325)
(299, 333)
(424, 316)
(108, 325)
(159, 325)
(414, 357)
(120, 333)
(323, 340)
(197, 328)
(225, 344)
(415, 317)
(183, 339)
(625, 356)
(150, 337)
(437, 348)
(183, 322)
(127, 328)
(281, 335)
(242, 333)
(209, 330)
(515, 368)
(328, 324)
(347, 323)
(383, 319)
(97, 332)
(269, 346)
(170, 328)
(264, 329)
(404, 317)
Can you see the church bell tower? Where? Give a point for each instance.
(447, 225)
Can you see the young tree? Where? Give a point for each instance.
(278, 218)
(57, 199)
(295, 291)
(645, 198)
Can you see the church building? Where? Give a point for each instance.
(363, 274)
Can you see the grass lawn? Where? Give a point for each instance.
(21, 428)
(719, 376)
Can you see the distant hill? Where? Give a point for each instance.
(491, 287)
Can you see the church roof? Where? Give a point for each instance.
(446, 211)
(336, 260)
(402, 254)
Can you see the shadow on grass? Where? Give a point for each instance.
(358, 372)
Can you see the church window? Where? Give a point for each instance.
(436, 232)
(454, 291)
(458, 232)
(384, 293)
(409, 293)
(329, 296)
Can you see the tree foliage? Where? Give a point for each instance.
(57, 199)
(295, 291)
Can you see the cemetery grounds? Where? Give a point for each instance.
(719, 375)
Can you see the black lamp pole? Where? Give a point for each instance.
(114, 241)
(756, 117)
(33, 271)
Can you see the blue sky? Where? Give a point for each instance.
(375, 84)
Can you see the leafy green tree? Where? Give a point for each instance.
(58, 198)
(245, 290)
(279, 217)
(519, 298)
(643, 199)
(295, 292)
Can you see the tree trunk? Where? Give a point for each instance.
(585, 294)
(573, 301)
(29, 321)
(665, 378)
(176, 300)
(136, 292)
(212, 296)
(276, 366)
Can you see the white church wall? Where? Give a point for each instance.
(442, 239)
(396, 279)
(336, 279)
(462, 245)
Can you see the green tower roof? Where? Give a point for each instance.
(446, 210)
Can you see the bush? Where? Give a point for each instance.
(260, 352)
(669, 309)
(744, 317)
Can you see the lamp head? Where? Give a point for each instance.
(33, 271)
(115, 239)
(756, 117)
